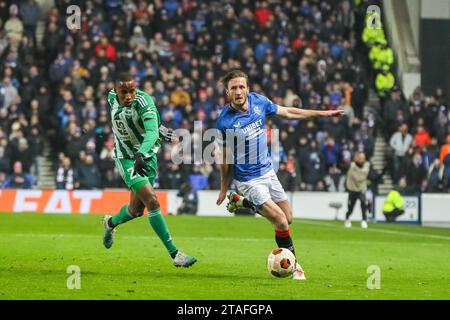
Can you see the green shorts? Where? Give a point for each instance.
(133, 180)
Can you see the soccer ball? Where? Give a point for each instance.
(281, 263)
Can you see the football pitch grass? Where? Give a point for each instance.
(37, 249)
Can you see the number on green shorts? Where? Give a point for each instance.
(132, 173)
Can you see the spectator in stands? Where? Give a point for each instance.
(262, 14)
(138, 41)
(66, 175)
(179, 46)
(53, 37)
(203, 103)
(159, 46)
(441, 125)
(400, 143)
(88, 173)
(90, 149)
(21, 152)
(335, 180)
(106, 49)
(171, 116)
(440, 96)
(75, 144)
(14, 26)
(339, 128)
(422, 137)
(430, 152)
(416, 173)
(30, 13)
(286, 178)
(392, 105)
(19, 179)
(331, 150)
(27, 91)
(197, 179)
(8, 93)
(436, 180)
(312, 166)
(106, 164)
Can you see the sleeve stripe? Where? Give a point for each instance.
(141, 101)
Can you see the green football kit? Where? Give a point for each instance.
(136, 129)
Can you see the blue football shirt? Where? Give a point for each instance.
(245, 133)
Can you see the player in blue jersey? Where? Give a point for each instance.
(245, 156)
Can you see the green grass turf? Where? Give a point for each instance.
(36, 249)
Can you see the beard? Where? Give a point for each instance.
(239, 105)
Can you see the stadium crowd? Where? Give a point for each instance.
(298, 53)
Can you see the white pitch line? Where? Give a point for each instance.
(81, 235)
(409, 234)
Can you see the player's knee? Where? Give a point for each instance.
(281, 222)
(289, 218)
(137, 213)
(136, 210)
(152, 202)
(288, 215)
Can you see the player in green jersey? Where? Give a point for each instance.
(137, 128)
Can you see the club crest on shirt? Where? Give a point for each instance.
(257, 110)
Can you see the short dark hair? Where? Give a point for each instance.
(231, 75)
(124, 77)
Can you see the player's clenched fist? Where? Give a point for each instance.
(167, 134)
(140, 166)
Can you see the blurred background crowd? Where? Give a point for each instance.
(311, 54)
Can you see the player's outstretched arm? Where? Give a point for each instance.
(304, 114)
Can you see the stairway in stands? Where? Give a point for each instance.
(379, 162)
(46, 179)
(47, 172)
(381, 148)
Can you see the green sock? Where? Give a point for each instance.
(122, 217)
(158, 224)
